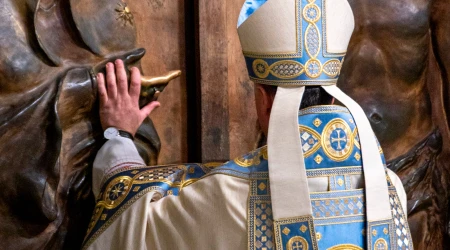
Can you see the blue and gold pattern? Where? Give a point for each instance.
(340, 209)
(124, 187)
(317, 66)
(295, 234)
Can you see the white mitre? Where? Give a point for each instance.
(293, 44)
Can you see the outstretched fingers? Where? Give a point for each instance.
(122, 80)
(135, 85)
(111, 81)
(146, 110)
(103, 95)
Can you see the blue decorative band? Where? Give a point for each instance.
(312, 64)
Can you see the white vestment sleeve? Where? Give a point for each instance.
(208, 214)
(114, 152)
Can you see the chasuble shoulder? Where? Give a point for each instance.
(228, 206)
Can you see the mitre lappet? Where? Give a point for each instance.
(293, 44)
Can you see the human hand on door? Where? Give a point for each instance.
(119, 103)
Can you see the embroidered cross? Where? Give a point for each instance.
(297, 246)
(339, 139)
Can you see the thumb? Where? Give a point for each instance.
(145, 111)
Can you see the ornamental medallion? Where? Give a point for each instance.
(337, 140)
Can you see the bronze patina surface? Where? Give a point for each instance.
(397, 69)
(49, 125)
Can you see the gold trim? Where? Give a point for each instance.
(313, 56)
(98, 210)
(310, 74)
(318, 236)
(111, 204)
(311, 82)
(338, 191)
(255, 160)
(317, 122)
(304, 244)
(259, 65)
(288, 62)
(316, 147)
(308, 219)
(213, 164)
(326, 144)
(318, 159)
(117, 214)
(329, 62)
(345, 247)
(381, 241)
(305, 14)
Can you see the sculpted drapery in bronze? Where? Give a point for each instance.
(50, 51)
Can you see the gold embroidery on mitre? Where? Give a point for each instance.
(261, 68)
(313, 68)
(286, 69)
(332, 68)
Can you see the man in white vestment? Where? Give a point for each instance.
(320, 183)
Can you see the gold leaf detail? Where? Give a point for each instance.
(357, 156)
(332, 68)
(318, 236)
(287, 69)
(317, 122)
(318, 159)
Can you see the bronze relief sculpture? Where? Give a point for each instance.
(50, 51)
(397, 70)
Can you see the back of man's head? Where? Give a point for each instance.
(313, 96)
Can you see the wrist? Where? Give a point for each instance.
(112, 132)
